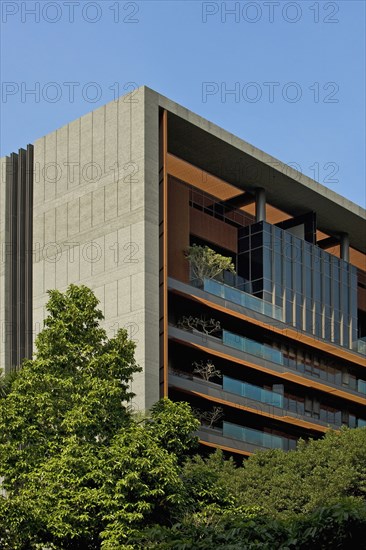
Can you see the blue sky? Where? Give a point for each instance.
(297, 70)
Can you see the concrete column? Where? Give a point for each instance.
(345, 247)
(260, 204)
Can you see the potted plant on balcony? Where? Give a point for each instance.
(207, 264)
(206, 370)
(199, 325)
(208, 419)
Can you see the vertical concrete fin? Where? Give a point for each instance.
(18, 257)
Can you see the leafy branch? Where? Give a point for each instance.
(206, 263)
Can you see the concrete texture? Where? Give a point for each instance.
(96, 222)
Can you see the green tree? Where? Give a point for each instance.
(339, 526)
(206, 263)
(318, 473)
(6, 381)
(205, 483)
(173, 425)
(64, 407)
(145, 484)
(142, 486)
(78, 470)
(313, 497)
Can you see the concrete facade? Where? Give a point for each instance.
(95, 222)
(96, 211)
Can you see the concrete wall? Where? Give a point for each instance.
(96, 222)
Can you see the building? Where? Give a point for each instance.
(114, 199)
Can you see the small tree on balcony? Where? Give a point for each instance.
(208, 326)
(206, 263)
(209, 418)
(206, 370)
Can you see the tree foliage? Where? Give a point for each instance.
(313, 497)
(206, 263)
(80, 470)
(319, 472)
(339, 526)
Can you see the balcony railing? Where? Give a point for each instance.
(266, 352)
(252, 392)
(324, 417)
(360, 345)
(242, 298)
(265, 401)
(250, 346)
(228, 290)
(258, 438)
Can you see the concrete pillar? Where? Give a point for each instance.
(260, 204)
(345, 247)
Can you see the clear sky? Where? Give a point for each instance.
(296, 70)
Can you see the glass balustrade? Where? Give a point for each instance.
(250, 346)
(269, 397)
(256, 437)
(267, 352)
(264, 351)
(252, 392)
(242, 298)
(360, 346)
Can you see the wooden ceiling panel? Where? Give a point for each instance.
(192, 175)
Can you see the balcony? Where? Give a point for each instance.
(246, 440)
(257, 437)
(252, 392)
(253, 348)
(216, 293)
(249, 396)
(242, 299)
(261, 355)
(214, 438)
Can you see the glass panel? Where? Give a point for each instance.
(317, 285)
(267, 263)
(256, 240)
(233, 340)
(213, 287)
(256, 264)
(298, 268)
(232, 295)
(252, 392)
(309, 320)
(250, 346)
(338, 418)
(352, 421)
(279, 265)
(242, 298)
(278, 268)
(308, 290)
(256, 437)
(243, 245)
